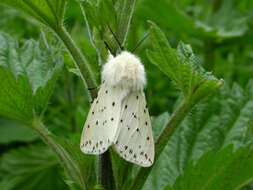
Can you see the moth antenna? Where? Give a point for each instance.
(140, 42)
(109, 49)
(115, 37)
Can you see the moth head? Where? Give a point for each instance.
(124, 70)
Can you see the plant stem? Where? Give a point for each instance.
(161, 142)
(106, 178)
(79, 60)
(65, 159)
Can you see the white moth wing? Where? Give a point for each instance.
(101, 125)
(134, 136)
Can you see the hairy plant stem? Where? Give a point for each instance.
(79, 60)
(65, 159)
(161, 142)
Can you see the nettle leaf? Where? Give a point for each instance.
(28, 75)
(225, 169)
(159, 122)
(124, 14)
(48, 12)
(182, 66)
(103, 16)
(10, 18)
(12, 131)
(213, 124)
(29, 168)
(227, 22)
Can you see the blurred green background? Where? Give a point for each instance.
(221, 35)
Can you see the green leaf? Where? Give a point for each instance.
(12, 131)
(73, 185)
(14, 23)
(124, 14)
(182, 66)
(29, 168)
(159, 123)
(51, 14)
(48, 12)
(157, 11)
(225, 169)
(101, 15)
(227, 22)
(97, 17)
(215, 123)
(28, 75)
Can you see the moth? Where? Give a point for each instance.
(119, 116)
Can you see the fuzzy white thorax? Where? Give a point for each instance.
(126, 71)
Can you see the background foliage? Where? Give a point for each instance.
(212, 147)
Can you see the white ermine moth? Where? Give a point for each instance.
(119, 115)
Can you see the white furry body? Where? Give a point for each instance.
(119, 115)
(125, 70)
